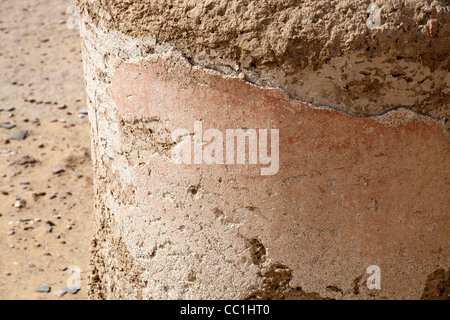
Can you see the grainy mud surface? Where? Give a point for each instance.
(364, 169)
(318, 51)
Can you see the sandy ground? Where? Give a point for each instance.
(40, 61)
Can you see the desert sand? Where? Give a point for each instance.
(42, 79)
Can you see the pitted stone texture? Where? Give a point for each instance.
(318, 51)
(350, 192)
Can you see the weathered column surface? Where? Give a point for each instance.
(363, 179)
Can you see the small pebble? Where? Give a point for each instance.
(35, 195)
(25, 227)
(48, 228)
(7, 125)
(57, 170)
(10, 233)
(20, 204)
(43, 289)
(432, 27)
(20, 135)
(72, 290)
(83, 112)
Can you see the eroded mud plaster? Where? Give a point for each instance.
(350, 192)
(317, 51)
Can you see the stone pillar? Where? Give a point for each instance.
(356, 190)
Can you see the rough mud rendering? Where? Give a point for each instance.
(265, 150)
